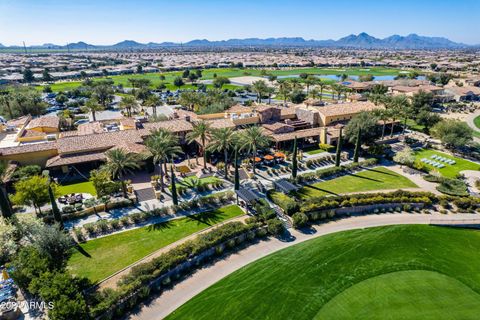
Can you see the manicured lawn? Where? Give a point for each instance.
(395, 272)
(477, 122)
(449, 171)
(379, 178)
(81, 187)
(205, 180)
(104, 256)
(312, 151)
(411, 124)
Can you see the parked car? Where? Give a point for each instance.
(81, 121)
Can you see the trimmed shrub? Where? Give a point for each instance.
(300, 220)
(275, 227)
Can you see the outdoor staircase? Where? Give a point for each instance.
(145, 194)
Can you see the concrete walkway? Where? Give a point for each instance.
(170, 300)
(422, 184)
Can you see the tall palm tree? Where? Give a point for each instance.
(119, 163)
(284, 89)
(314, 93)
(153, 101)
(129, 103)
(260, 88)
(296, 84)
(322, 86)
(163, 145)
(383, 115)
(252, 139)
(190, 99)
(201, 130)
(93, 106)
(310, 80)
(223, 139)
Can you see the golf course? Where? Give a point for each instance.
(394, 272)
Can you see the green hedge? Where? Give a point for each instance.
(327, 202)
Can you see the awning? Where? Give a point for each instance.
(285, 186)
(247, 195)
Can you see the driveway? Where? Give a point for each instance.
(170, 300)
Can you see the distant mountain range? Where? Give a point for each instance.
(360, 41)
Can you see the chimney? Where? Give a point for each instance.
(187, 118)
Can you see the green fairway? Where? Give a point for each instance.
(80, 187)
(104, 256)
(407, 293)
(450, 170)
(209, 74)
(477, 122)
(395, 272)
(379, 178)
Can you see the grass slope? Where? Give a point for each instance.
(379, 178)
(372, 273)
(112, 253)
(449, 171)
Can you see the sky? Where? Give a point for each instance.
(110, 21)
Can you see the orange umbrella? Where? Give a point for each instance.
(279, 155)
(257, 159)
(268, 157)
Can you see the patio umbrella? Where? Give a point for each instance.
(279, 155)
(268, 157)
(256, 159)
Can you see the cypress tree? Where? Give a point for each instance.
(357, 146)
(294, 159)
(56, 212)
(5, 204)
(174, 188)
(339, 148)
(237, 176)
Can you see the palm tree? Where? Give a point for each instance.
(270, 91)
(153, 101)
(397, 105)
(163, 145)
(383, 115)
(309, 81)
(252, 139)
(322, 86)
(314, 93)
(93, 106)
(120, 163)
(201, 130)
(260, 88)
(5, 205)
(296, 84)
(222, 139)
(190, 99)
(284, 89)
(129, 103)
